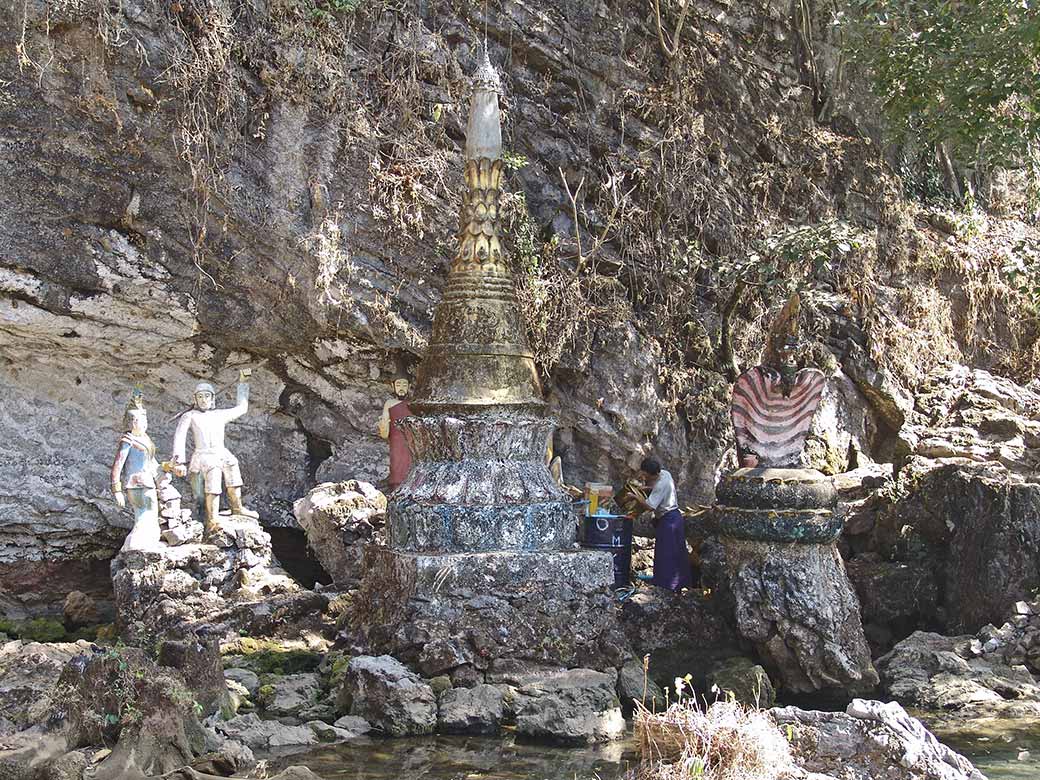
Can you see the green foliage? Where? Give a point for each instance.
(513, 160)
(802, 252)
(329, 7)
(963, 74)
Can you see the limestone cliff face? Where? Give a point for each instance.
(192, 186)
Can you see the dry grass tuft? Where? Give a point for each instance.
(726, 741)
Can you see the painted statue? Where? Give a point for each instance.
(136, 456)
(774, 403)
(212, 465)
(395, 409)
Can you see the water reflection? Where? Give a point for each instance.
(464, 758)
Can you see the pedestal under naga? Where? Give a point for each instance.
(480, 572)
(775, 556)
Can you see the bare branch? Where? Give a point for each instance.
(670, 51)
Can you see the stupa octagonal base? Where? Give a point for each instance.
(434, 528)
(468, 614)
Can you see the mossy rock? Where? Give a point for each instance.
(265, 656)
(41, 630)
(107, 633)
(338, 671)
(744, 681)
(265, 695)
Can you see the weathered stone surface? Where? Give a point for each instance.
(894, 597)
(744, 680)
(795, 603)
(572, 706)
(869, 741)
(244, 677)
(892, 402)
(200, 665)
(231, 584)
(263, 736)
(386, 694)
(290, 694)
(38, 588)
(441, 613)
(29, 672)
(339, 518)
(155, 730)
(126, 284)
(353, 723)
(80, 610)
(476, 710)
(977, 527)
(683, 633)
(843, 429)
(934, 672)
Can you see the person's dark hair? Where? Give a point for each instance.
(650, 466)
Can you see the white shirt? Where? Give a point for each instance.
(662, 498)
(207, 427)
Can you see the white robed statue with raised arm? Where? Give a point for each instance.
(212, 465)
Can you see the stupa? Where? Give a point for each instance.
(480, 564)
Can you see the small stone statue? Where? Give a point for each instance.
(394, 409)
(212, 464)
(774, 403)
(136, 454)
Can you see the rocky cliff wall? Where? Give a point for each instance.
(194, 186)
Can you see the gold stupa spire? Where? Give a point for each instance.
(478, 354)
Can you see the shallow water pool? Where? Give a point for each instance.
(464, 758)
(1001, 749)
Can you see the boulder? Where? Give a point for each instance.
(933, 672)
(683, 633)
(200, 665)
(290, 694)
(29, 672)
(570, 706)
(339, 518)
(264, 736)
(634, 684)
(384, 692)
(120, 697)
(744, 680)
(869, 741)
(80, 610)
(353, 724)
(244, 677)
(976, 527)
(476, 710)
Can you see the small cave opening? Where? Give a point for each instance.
(290, 549)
